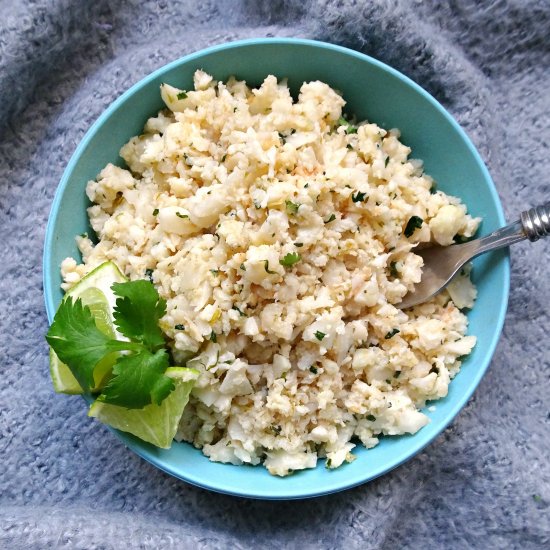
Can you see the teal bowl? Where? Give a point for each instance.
(373, 91)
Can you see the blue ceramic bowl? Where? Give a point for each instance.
(373, 91)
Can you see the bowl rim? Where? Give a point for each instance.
(293, 492)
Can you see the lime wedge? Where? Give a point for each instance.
(156, 424)
(95, 292)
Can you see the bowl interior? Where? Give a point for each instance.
(373, 91)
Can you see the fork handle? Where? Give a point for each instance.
(533, 224)
(536, 222)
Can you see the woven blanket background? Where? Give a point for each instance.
(66, 482)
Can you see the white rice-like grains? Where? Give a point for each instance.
(297, 361)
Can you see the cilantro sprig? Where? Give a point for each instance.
(138, 375)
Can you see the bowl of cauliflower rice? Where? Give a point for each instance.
(273, 193)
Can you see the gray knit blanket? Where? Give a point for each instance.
(66, 482)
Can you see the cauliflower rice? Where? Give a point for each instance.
(275, 231)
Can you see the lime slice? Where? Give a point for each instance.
(156, 424)
(95, 292)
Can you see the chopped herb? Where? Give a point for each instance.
(149, 274)
(358, 197)
(155, 211)
(179, 327)
(292, 207)
(434, 369)
(182, 95)
(392, 333)
(84, 235)
(282, 137)
(257, 205)
(461, 239)
(319, 335)
(215, 272)
(298, 245)
(331, 218)
(371, 418)
(213, 337)
(349, 146)
(388, 382)
(290, 259)
(328, 463)
(275, 429)
(240, 312)
(433, 189)
(349, 128)
(412, 225)
(397, 374)
(313, 369)
(386, 161)
(243, 267)
(393, 269)
(223, 158)
(266, 267)
(182, 216)
(306, 185)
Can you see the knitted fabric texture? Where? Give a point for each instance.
(66, 482)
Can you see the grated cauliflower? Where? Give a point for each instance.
(275, 231)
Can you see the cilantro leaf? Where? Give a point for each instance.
(138, 380)
(137, 312)
(292, 207)
(319, 335)
(358, 197)
(349, 127)
(182, 95)
(414, 223)
(290, 259)
(78, 342)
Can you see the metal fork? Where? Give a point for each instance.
(441, 263)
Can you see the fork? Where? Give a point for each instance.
(441, 263)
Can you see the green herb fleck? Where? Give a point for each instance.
(393, 269)
(371, 418)
(298, 245)
(328, 463)
(397, 374)
(319, 335)
(213, 337)
(240, 312)
(243, 267)
(412, 225)
(276, 430)
(358, 197)
(433, 189)
(332, 217)
(182, 95)
(215, 272)
(149, 274)
(292, 207)
(392, 333)
(349, 128)
(179, 327)
(461, 239)
(306, 185)
(313, 369)
(434, 369)
(223, 158)
(182, 216)
(257, 205)
(266, 267)
(155, 211)
(387, 161)
(84, 235)
(290, 259)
